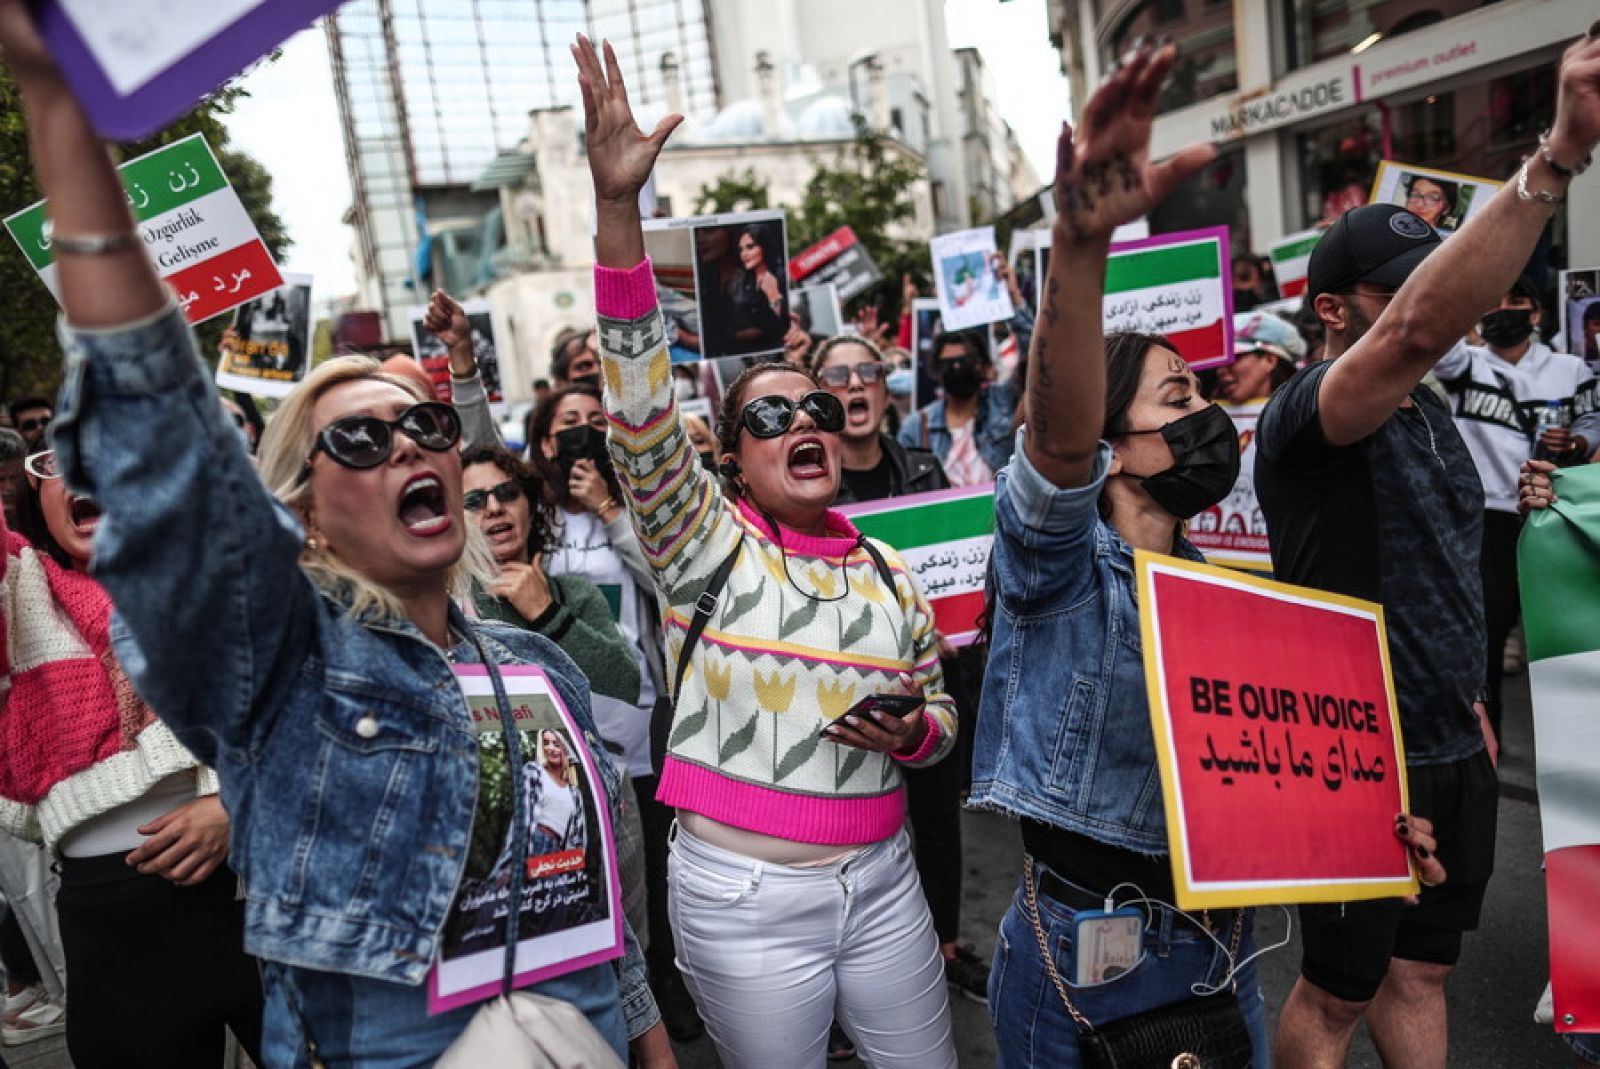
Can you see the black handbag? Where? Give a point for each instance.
(1198, 1033)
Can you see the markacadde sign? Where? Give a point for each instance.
(1279, 107)
(1277, 736)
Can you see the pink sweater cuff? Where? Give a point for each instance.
(930, 743)
(625, 294)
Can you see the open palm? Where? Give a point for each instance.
(1104, 175)
(620, 155)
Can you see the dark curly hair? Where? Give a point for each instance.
(728, 423)
(540, 528)
(32, 526)
(539, 427)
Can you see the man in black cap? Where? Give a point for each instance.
(1369, 491)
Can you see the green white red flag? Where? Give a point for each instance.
(1291, 259)
(193, 225)
(1178, 286)
(1558, 562)
(944, 537)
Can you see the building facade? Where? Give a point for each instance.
(464, 143)
(1305, 97)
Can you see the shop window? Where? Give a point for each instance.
(1325, 28)
(1203, 29)
(1214, 197)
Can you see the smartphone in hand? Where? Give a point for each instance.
(877, 707)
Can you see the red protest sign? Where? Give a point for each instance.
(840, 259)
(1277, 735)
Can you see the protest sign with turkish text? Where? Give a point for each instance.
(839, 258)
(193, 225)
(1277, 735)
(269, 352)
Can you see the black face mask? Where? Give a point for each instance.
(961, 379)
(582, 443)
(1205, 451)
(591, 379)
(708, 459)
(1506, 327)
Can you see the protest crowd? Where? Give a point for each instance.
(379, 738)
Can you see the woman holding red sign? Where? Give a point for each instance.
(1118, 449)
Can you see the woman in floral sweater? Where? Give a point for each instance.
(792, 884)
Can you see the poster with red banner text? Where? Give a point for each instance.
(1277, 735)
(1233, 532)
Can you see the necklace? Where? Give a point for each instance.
(1433, 443)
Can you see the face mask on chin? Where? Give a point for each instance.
(1205, 451)
(1506, 328)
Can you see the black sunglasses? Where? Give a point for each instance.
(478, 500)
(870, 372)
(33, 424)
(768, 417)
(366, 441)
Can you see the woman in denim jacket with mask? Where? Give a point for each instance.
(312, 671)
(1118, 448)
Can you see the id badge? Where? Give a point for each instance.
(1108, 944)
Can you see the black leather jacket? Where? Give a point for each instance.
(915, 471)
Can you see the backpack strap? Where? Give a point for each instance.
(922, 415)
(878, 562)
(704, 606)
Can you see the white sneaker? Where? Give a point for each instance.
(1545, 1011)
(22, 1001)
(41, 1018)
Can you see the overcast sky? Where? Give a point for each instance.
(291, 123)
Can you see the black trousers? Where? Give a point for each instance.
(655, 820)
(1502, 605)
(15, 953)
(155, 970)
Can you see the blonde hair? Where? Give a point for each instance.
(284, 452)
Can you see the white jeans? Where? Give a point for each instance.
(772, 954)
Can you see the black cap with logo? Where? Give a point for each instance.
(1379, 244)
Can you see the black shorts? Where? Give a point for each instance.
(1347, 946)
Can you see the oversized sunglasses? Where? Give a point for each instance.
(33, 424)
(870, 372)
(478, 500)
(768, 417)
(42, 465)
(362, 442)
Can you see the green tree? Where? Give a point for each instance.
(30, 361)
(734, 193)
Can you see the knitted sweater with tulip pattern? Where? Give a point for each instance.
(773, 665)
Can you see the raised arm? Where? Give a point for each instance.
(446, 321)
(1104, 178)
(1466, 275)
(200, 562)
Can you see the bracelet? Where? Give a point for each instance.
(1550, 159)
(1524, 193)
(606, 505)
(93, 244)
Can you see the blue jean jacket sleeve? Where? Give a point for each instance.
(201, 562)
(1044, 535)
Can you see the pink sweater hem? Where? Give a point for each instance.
(800, 818)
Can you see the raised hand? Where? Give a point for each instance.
(1104, 175)
(620, 155)
(1576, 129)
(446, 321)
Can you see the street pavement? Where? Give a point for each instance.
(1492, 993)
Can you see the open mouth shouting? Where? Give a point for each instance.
(84, 513)
(500, 533)
(857, 411)
(807, 460)
(422, 511)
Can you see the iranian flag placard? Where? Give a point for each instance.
(944, 538)
(194, 227)
(1558, 563)
(1176, 285)
(1291, 258)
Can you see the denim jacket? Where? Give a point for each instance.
(1063, 734)
(350, 842)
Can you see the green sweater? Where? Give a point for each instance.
(579, 621)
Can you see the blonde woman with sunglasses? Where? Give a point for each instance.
(299, 636)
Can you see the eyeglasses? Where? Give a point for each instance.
(1425, 198)
(478, 500)
(362, 442)
(768, 417)
(42, 465)
(33, 424)
(870, 372)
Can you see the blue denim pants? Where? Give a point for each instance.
(1032, 1027)
(361, 1023)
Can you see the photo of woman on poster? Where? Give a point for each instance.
(743, 287)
